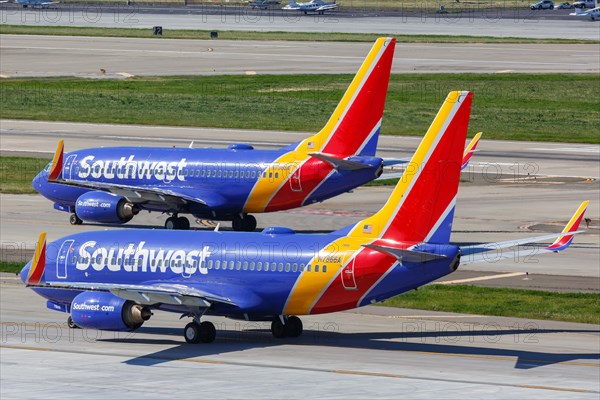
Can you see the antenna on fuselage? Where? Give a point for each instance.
(191, 146)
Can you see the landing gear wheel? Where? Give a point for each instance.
(247, 223)
(278, 329)
(237, 224)
(183, 223)
(204, 332)
(71, 324)
(75, 220)
(171, 223)
(208, 333)
(293, 326)
(191, 333)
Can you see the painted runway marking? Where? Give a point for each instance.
(481, 278)
(587, 149)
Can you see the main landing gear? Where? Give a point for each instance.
(290, 326)
(196, 332)
(175, 222)
(243, 223)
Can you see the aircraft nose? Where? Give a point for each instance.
(39, 182)
(24, 272)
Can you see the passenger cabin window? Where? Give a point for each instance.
(324, 268)
(259, 266)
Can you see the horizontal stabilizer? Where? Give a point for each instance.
(405, 254)
(339, 163)
(479, 252)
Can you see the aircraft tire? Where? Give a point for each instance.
(249, 223)
(237, 224)
(293, 326)
(191, 333)
(71, 324)
(208, 332)
(278, 329)
(183, 223)
(171, 223)
(75, 220)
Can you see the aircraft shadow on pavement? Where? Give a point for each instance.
(443, 343)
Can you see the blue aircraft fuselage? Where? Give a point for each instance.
(217, 183)
(262, 274)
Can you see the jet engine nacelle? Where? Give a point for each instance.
(105, 207)
(105, 311)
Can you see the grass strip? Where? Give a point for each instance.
(283, 36)
(16, 174)
(519, 303)
(11, 266)
(535, 107)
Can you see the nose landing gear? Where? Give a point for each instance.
(196, 332)
(179, 223)
(75, 220)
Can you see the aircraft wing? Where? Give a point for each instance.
(145, 294)
(327, 7)
(479, 253)
(136, 194)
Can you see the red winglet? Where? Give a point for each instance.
(564, 239)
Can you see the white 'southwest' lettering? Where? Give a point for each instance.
(136, 258)
(131, 169)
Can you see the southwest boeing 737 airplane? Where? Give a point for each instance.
(115, 279)
(111, 185)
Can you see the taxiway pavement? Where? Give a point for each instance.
(374, 351)
(498, 22)
(26, 56)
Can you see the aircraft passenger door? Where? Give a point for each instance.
(63, 258)
(348, 280)
(295, 183)
(67, 166)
